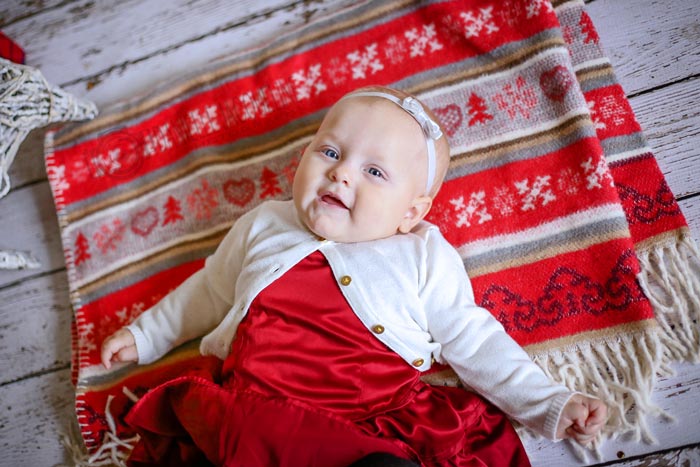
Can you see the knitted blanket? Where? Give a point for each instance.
(566, 225)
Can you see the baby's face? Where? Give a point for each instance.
(362, 174)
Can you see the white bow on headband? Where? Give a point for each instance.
(430, 127)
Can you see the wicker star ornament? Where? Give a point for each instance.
(28, 101)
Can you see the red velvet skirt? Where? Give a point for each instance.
(306, 384)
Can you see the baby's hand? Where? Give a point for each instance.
(120, 347)
(582, 419)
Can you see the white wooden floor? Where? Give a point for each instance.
(110, 50)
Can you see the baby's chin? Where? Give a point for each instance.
(338, 230)
(345, 236)
(330, 234)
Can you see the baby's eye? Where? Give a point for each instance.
(375, 172)
(332, 153)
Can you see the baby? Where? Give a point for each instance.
(327, 308)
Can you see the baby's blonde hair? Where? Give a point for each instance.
(442, 147)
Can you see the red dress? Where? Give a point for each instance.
(306, 384)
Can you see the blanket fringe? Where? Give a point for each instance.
(112, 452)
(622, 371)
(670, 278)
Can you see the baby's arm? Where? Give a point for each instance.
(484, 356)
(191, 310)
(582, 419)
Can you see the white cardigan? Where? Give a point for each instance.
(410, 290)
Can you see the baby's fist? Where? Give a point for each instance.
(120, 347)
(582, 419)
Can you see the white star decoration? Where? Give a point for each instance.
(28, 101)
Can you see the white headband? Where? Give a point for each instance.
(431, 129)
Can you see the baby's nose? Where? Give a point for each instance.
(340, 173)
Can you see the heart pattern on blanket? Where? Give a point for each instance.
(450, 117)
(239, 191)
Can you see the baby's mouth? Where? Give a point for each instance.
(333, 200)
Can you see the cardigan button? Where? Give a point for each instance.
(345, 280)
(377, 329)
(418, 362)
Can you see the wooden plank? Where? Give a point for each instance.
(99, 35)
(17, 10)
(670, 118)
(140, 77)
(650, 43)
(134, 45)
(28, 220)
(677, 395)
(28, 166)
(686, 457)
(33, 413)
(35, 319)
(691, 211)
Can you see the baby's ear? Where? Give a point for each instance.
(415, 213)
